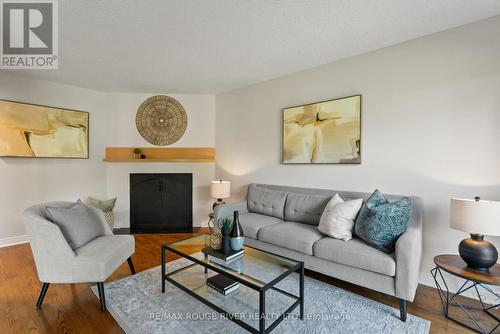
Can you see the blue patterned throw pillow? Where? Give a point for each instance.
(380, 222)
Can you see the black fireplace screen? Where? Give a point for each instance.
(161, 202)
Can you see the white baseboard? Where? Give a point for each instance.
(13, 241)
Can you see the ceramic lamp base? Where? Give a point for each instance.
(219, 201)
(478, 253)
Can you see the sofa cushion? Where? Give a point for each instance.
(355, 253)
(380, 222)
(266, 201)
(305, 208)
(253, 222)
(337, 220)
(99, 258)
(79, 224)
(296, 236)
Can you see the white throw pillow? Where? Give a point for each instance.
(338, 217)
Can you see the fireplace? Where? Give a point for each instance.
(161, 202)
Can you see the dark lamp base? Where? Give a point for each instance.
(218, 202)
(478, 253)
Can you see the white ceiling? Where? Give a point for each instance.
(211, 46)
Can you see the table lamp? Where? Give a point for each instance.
(219, 190)
(479, 218)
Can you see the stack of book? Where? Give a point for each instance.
(224, 257)
(222, 284)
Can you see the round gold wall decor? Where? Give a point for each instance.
(161, 120)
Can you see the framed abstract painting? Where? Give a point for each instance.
(28, 130)
(327, 132)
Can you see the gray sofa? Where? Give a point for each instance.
(283, 220)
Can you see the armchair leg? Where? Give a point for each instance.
(45, 286)
(403, 304)
(131, 265)
(102, 298)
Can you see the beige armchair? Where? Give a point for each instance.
(57, 262)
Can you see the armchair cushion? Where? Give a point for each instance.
(98, 259)
(79, 224)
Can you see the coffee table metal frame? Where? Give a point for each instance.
(299, 300)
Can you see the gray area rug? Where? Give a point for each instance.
(137, 304)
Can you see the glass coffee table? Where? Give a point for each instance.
(260, 274)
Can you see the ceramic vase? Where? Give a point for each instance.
(237, 237)
(226, 240)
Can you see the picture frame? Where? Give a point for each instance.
(325, 132)
(30, 130)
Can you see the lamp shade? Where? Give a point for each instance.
(475, 216)
(220, 189)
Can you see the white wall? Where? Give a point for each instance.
(200, 110)
(28, 181)
(430, 126)
(431, 112)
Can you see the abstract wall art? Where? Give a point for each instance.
(326, 132)
(28, 130)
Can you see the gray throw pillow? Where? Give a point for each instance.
(79, 224)
(380, 222)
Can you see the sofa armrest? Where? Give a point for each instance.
(226, 210)
(409, 254)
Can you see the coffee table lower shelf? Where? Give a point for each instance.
(202, 293)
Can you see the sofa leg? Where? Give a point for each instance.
(102, 297)
(403, 304)
(45, 286)
(131, 265)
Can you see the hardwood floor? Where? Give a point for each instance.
(72, 308)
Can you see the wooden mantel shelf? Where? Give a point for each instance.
(161, 154)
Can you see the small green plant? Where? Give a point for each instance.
(225, 223)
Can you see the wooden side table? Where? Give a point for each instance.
(454, 265)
